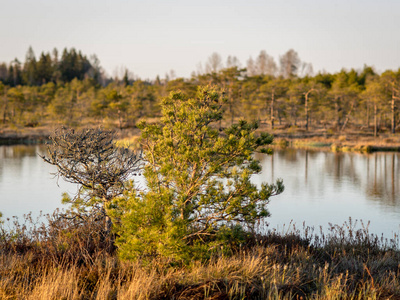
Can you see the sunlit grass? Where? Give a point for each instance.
(130, 142)
(72, 261)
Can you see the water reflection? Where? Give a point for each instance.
(14, 155)
(19, 151)
(324, 187)
(375, 174)
(320, 187)
(26, 182)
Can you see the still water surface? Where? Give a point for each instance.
(327, 187)
(320, 187)
(26, 182)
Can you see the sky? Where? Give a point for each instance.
(152, 37)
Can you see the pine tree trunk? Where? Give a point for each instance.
(306, 109)
(108, 225)
(272, 110)
(347, 117)
(375, 121)
(393, 118)
(337, 108)
(5, 111)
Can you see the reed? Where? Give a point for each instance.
(65, 259)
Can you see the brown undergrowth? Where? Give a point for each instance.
(68, 259)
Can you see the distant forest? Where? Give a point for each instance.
(72, 89)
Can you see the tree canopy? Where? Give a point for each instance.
(64, 89)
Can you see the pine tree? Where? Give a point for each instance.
(198, 190)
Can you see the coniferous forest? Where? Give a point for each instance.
(70, 88)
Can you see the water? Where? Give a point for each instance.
(327, 187)
(320, 187)
(26, 182)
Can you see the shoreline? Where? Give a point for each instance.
(32, 136)
(23, 140)
(350, 141)
(340, 143)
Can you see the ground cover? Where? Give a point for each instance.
(68, 260)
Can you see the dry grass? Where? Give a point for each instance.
(72, 261)
(353, 138)
(341, 143)
(129, 142)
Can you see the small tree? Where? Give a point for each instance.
(90, 159)
(198, 182)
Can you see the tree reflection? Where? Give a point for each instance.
(383, 186)
(306, 173)
(18, 151)
(374, 175)
(12, 157)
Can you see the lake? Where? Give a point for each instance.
(26, 182)
(320, 187)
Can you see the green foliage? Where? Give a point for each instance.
(72, 64)
(72, 90)
(198, 182)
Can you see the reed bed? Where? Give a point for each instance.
(70, 259)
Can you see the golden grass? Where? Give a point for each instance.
(128, 142)
(74, 261)
(255, 275)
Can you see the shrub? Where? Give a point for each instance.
(91, 159)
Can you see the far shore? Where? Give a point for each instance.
(321, 139)
(349, 141)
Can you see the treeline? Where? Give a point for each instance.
(51, 68)
(287, 96)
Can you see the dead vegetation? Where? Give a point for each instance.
(61, 259)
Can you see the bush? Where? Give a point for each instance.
(91, 159)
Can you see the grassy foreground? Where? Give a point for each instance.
(68, 260)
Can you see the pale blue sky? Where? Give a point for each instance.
(153, 37)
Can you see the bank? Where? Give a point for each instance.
(321, 139)
(349, 141)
